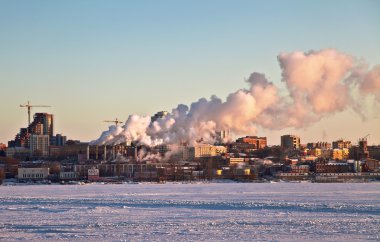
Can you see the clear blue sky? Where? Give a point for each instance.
(95, 60)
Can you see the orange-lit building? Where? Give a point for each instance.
(257, 142)
(290, 142)
(341, 144)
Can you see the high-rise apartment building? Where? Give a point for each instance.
(43, 124)
(39, 145)
(290, 142)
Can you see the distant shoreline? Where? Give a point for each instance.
(183, 183)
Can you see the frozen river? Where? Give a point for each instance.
(191, 212)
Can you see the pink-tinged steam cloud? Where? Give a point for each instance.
(318, 83)
(316, 79)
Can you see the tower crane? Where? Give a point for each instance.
(116, 122)
(29, 106)
(365, 137)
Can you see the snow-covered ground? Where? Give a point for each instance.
(191, 212)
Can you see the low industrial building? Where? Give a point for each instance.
(68, 175)
(334, 167)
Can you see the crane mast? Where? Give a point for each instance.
(116, 121)
(29, 107)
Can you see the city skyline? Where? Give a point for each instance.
(93, 61)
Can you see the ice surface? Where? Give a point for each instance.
(191, 212)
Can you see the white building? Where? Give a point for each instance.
(93, 174)
(33, 173)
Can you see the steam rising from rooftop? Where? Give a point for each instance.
(318, 84)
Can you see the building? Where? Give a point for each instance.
(337, 154)
(10, 166)
(20, 153)
(2, 173)
(372, 164)
(68, 175)
(333, 167)
(248, 144)
(319, 145)
(290, 142)
(73, 151)
(33, 173)
(223, 136)
(58, 140)
(361, 151)
(299, 169)
(374, 151)
(93, 174)
(341, 144)
(206, 150)
(317, 152)
(42, 125)
(234, 160)
(340, 154)
(45, 121)
(21, 139)
(241, 148)
(39, 145)
(257, 142)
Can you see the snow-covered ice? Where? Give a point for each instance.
(191, 212)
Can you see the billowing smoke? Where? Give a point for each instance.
(318, 84)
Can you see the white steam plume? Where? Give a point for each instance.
(319, 84)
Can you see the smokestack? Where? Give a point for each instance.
(88, 153)
(96, 152)
(105, 153)
(312, 81)
(113, 152)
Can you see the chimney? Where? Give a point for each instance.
(88, 153)
(135, 153)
